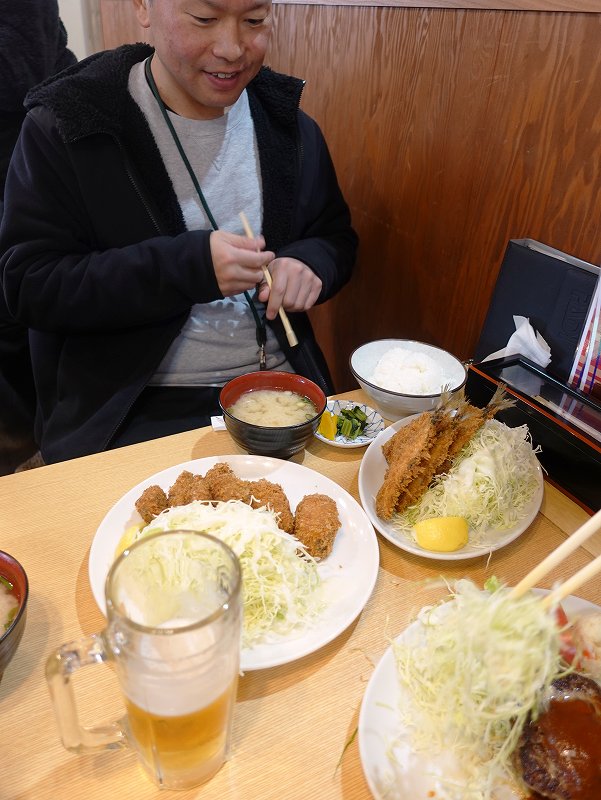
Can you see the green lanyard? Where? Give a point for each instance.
(259, 323)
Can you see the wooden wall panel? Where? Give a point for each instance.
(592, 6)
(120, 24)
(452, 132)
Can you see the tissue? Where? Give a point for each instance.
(526, 342)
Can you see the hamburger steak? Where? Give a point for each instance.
(559, 754)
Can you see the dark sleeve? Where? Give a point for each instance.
(54, 277)
(324, 238)
(33, 46)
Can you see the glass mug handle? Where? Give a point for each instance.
(59, 668)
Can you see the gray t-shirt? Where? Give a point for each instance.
(218, 341)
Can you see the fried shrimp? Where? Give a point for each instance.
(266, 493)
(151, 502)
(316, 523)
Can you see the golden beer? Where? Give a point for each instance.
(173, 633)
(184, 749)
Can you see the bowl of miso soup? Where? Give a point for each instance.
(272, 413)
(14, 589)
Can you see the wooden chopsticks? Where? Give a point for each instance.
(290, 335)
(590, 527)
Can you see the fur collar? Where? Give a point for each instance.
(91, 98)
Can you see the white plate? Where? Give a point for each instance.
(371, 476)
(375, 424)
(410, 774)
(350, 571)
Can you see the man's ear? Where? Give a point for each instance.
(141, 9)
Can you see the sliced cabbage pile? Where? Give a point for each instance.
(280, 581)
(490, 484)
(475, 669)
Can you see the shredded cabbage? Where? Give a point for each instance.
(474, 668)
(490, 484)
(280, 581)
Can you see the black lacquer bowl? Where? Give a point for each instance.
(13, 572)
(278, 442)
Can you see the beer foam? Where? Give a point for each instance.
(179, 673)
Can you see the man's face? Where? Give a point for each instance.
(206, 51)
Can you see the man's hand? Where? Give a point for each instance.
(237, 264)
(295, 287)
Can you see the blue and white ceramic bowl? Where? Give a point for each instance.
(374, 425)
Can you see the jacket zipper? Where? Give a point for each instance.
(136, 188)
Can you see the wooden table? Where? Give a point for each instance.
(295, 725)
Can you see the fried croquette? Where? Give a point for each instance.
(187, 488)
(224, 485)
(316, 523)
(266, 493)
(151, 502)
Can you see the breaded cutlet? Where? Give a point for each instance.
(316, 523)
(225, 485)
(187, 488)
(151, 502)
(266, 493)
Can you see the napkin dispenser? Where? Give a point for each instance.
(554, 291)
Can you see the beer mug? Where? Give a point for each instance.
(173, 634)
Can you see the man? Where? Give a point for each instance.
(33, 45)
(122, 244)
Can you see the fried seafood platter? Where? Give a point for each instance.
(487, 697)
(454, 463)
(308, 552)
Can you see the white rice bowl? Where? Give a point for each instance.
(405, 377)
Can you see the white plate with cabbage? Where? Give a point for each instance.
(330, 593)
(413, 708)
(497, 487)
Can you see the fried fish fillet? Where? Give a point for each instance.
(469, 421)
(316, 523)
(407, 457)
(431, 462)
(427, 447)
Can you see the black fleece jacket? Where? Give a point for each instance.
(97, 262)
(33, 45)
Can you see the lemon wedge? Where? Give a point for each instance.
(128, 538)
(441, 534)
(327, 425)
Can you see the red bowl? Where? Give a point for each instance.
(9, 640)
(280, 442)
